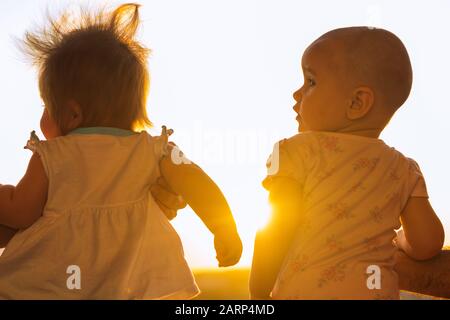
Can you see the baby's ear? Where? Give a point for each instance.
(74, 115)
(362, 101)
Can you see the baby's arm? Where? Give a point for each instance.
(5, 235)
(22, 205)
(273, 242)
(422, 236)
(168, 201)
(208, 202)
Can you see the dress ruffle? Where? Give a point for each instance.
(32, 142)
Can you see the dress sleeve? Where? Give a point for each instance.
(284, 163)
(161, 143)
(414, 185)
(164, 148)
(419, 188)
(37, 146)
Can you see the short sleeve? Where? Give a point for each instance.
(37, 146)
(159, 145)
(162, 147)
(419, 188)
(160, 142)
(283, 163)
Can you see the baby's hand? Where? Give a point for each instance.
(228, 247)
(167, 199)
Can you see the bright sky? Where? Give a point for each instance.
(223, 73)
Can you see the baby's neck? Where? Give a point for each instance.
(370, 133)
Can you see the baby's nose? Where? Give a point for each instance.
(297, 95)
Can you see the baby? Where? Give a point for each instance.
(338, 191)
(89, 227)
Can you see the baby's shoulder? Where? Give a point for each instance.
(295, 140)
(35, 144)
(400, 156)
(299, 144)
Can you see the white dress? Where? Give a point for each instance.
(101, 234)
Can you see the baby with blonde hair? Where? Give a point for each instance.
(88, 225)
(338, 191)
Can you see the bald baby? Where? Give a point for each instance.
(354, 80)
(376, 58)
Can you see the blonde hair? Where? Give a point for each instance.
(95, 62)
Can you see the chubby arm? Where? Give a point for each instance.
(22, 205)
(273, 242)
(422, 235)
(208, 202)
(5, 235)
(168, 201)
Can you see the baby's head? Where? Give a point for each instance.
(354, 80)
(91, 72)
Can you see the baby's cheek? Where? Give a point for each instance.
(309, 109)
(315, 114)
(48, 126)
